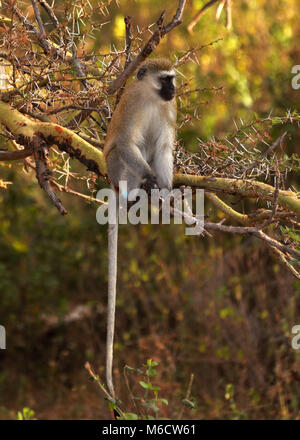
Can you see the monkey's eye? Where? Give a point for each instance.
(166, 78)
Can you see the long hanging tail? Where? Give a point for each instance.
(112, 284)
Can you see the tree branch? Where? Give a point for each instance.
(240, 218)
(25, 128)
(272, 147)
(200, 14)
(50, 12)
(128, 40)
(149, 47)
(285, 262)
(43, 174)
(277, 247)
(245, 188)
(15, 155)
(38, 18)
(42, 39)
(241, 230)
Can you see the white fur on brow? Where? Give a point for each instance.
(153, 78)
(167, 72)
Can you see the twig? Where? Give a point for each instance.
(78, 67)
(181, 60)
(276, 194)
(70, 107)
(77, 194)
(265, 154)
(44, 42)
(187, 396)
(128, 40)
(84, 114)
(42, 172)
(240, 230)
(129, 389)
(219, 9)
(96, 378)
(92, 141)
(38, 18)
(199, 89)
(228, 15)
(50, 12)
(67, 190)
(200, 14)
(284, 261)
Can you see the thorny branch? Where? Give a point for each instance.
(149, 47)
(60, 86)
(50, 12)
(43, 174)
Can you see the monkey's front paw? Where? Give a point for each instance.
(149, 182)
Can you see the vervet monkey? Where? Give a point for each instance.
(139, 150)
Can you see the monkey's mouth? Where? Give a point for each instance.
(167, 95)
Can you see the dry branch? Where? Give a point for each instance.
(15, 155)
(128, 40)
(38, 18)
(272, 147)
(149, 47)
(50, 12)
(43, 174)
(228, 15)
(202, 11)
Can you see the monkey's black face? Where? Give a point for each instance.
(167, 91)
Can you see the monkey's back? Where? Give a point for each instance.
(128, 112)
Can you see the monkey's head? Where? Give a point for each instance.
(159, 75)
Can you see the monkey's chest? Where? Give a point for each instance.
(156, 135)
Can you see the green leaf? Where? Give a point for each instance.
(154, 387)
(131, 416)
(151, 372)
(145, 385)
(151, 363)
(188, 403)
(150, 404)
(164, 401)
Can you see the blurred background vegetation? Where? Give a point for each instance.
(220, 308)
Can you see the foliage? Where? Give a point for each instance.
(26, 414)
(147, 405)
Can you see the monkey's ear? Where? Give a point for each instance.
(141, 73)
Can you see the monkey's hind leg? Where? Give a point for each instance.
(163, 168)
